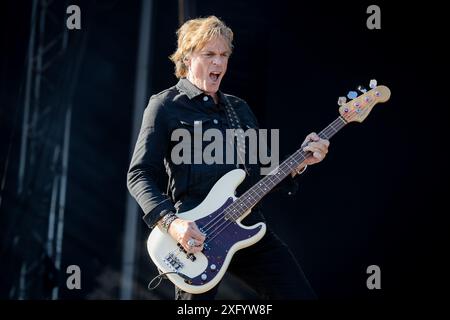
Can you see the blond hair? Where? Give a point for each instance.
(193, 35)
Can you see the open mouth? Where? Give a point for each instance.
(214, 76)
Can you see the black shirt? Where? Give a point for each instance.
(155, 181)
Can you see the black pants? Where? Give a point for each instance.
(269, 267)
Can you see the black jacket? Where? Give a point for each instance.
(159, 185)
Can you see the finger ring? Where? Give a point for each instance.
(191, 242)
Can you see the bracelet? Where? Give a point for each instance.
(167, 220)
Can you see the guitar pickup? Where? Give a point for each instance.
(191, 257)
(181, 248)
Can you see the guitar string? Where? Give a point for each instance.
(215, 230)
(178, 251)
(225, 223)
(328, 130)
(219, 218)
(232, 206)
(211, 236)
(300, 154)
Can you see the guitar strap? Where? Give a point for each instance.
(235, 123)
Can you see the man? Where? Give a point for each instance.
(201, 59)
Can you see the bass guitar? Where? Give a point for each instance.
(220, 214)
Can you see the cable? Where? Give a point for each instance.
(160, 276)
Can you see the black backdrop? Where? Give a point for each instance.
(378, 198)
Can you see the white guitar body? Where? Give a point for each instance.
(201, 272)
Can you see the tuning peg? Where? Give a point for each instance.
(352, 95)
(373, 83)
(342, 101)
(362, 89)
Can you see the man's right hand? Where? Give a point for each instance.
(183, 231)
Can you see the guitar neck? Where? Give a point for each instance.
(253, 195)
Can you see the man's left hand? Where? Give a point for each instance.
(318, 148)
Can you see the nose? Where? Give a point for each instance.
(217, 60)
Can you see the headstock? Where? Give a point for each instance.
(359, 107)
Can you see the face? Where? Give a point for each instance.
(208, 65)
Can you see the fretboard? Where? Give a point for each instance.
(253, 195)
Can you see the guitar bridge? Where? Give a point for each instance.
(173, 262)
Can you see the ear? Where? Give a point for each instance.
(187, 61)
